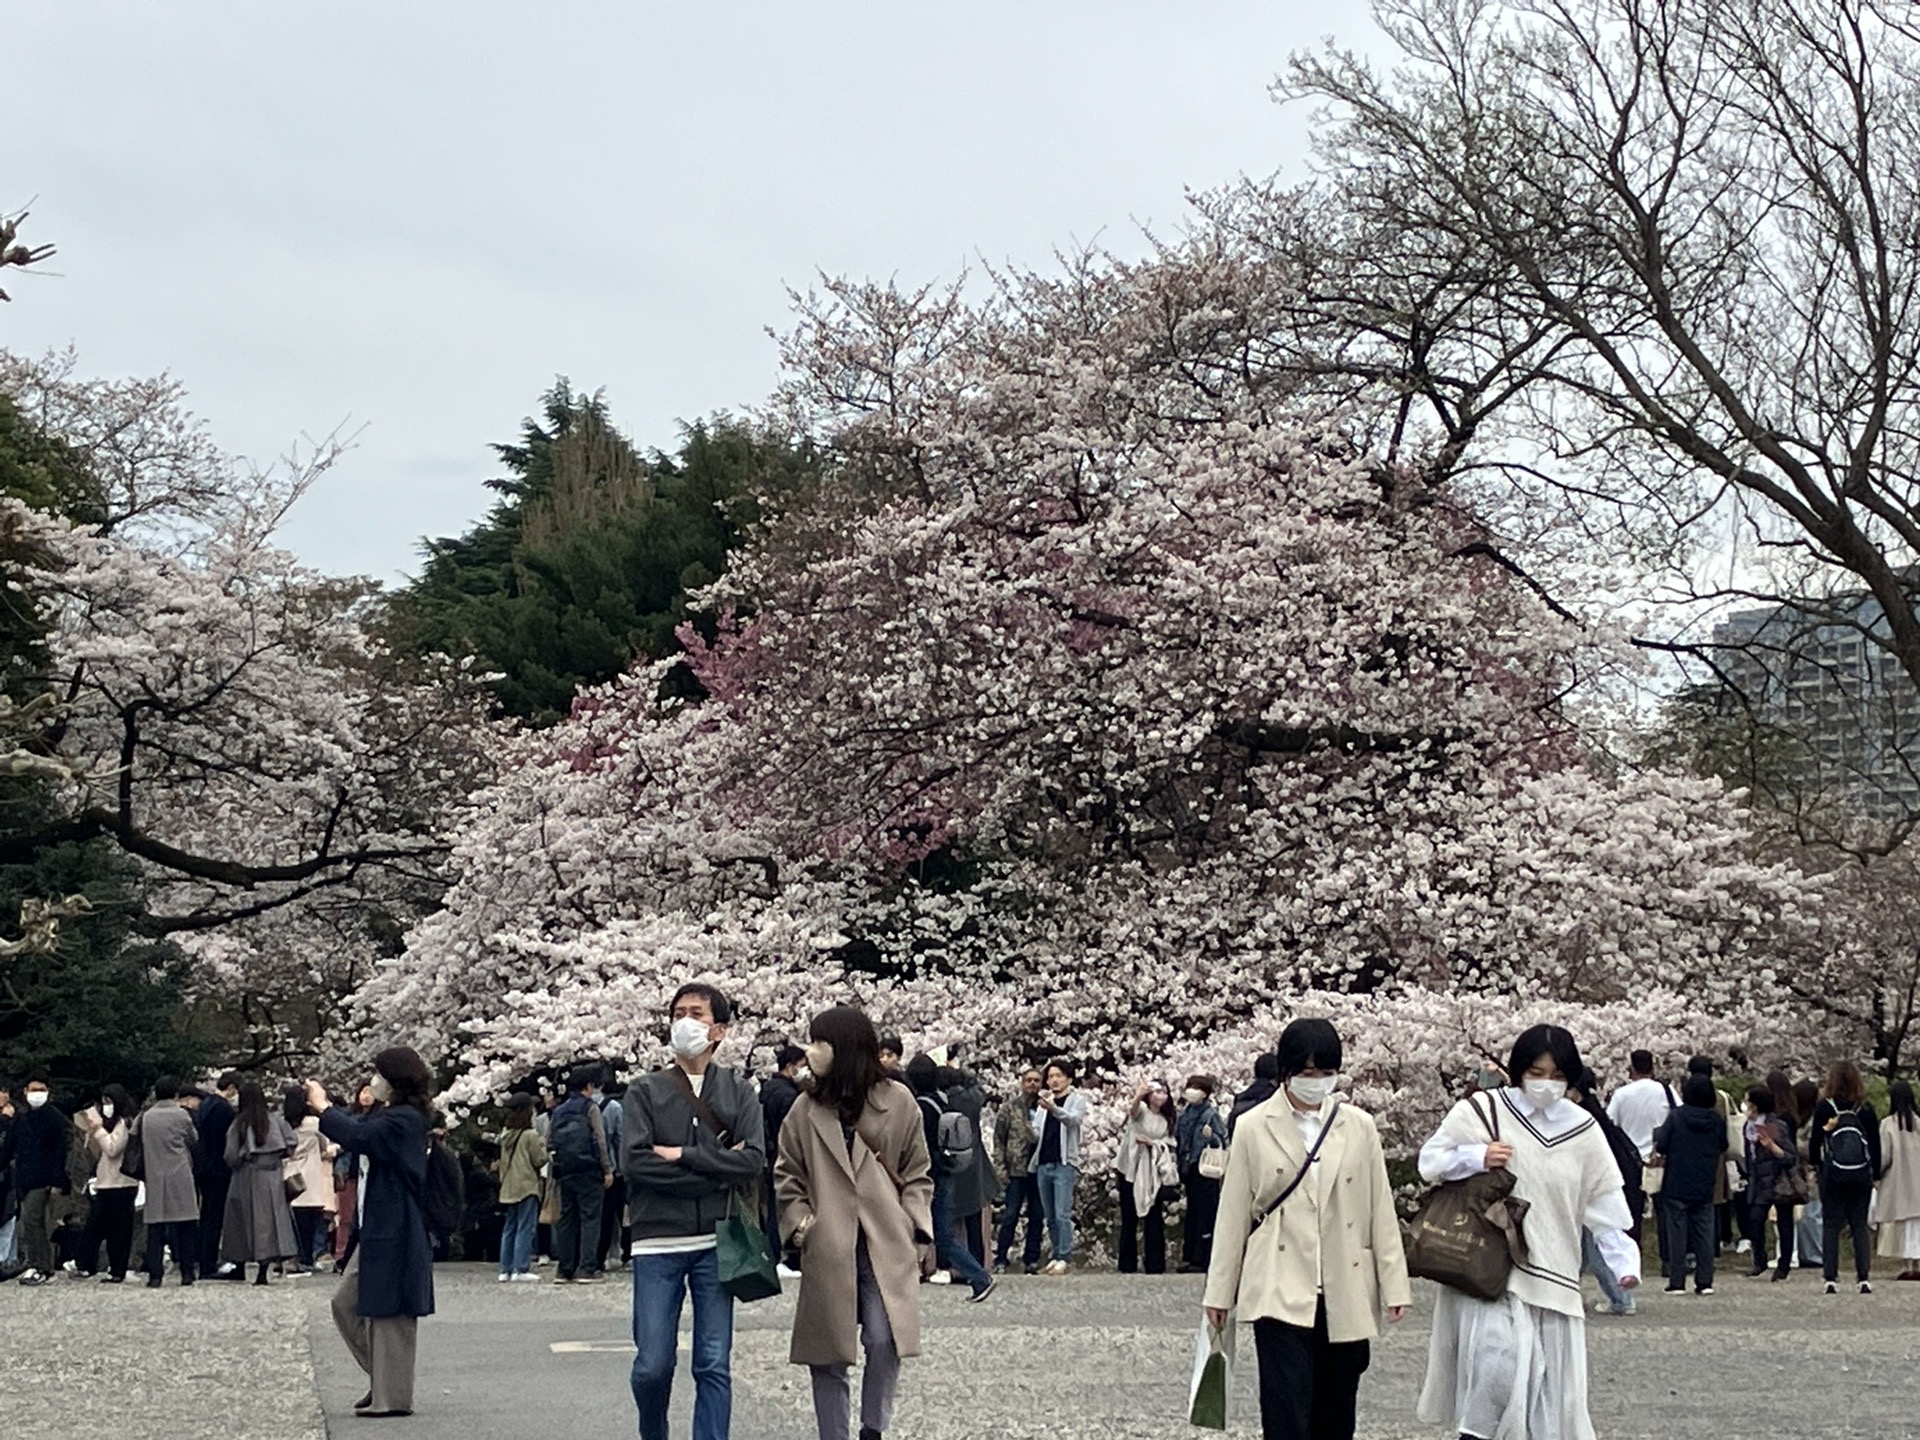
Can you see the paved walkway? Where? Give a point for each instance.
(1085, 1357)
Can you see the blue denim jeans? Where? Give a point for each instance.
(660, 1284)
(522, 1218)
(948, 1250)
(1056, 1203)
(1618, 1296)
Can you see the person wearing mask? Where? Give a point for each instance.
(1144, 1160)
(169, 1151)
(213, 1115)
(923, 1077)
(388, 1284)
(1689, 1147)
(1844, 1150)
(35, 1150)
(1201, 1128)
(104, 1129)
(1014, 1141)
(778, 1093)
(312, 1161)
(1265, 1085)
(577, 1140)
(691, 1148)
(1808, 1232)
(348, 1168)
(258, 1225)
(856, 1200)
(523, 1155)
(1518, 1365)
(1772, 1154)
(1056, 1158)
(1897, 1199)
(1307, 1246)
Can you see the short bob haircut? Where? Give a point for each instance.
(1545, 1040)
(1308, 1045)
(1065, 1067)
(1761, 1098)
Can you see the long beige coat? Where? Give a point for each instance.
(835, 1200)
(1899, 1197)
(1339, 1232)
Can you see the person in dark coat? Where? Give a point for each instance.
(973, 1180)
(167, 1140)
(258, 1225)
(388, 1284)
(1846, 1185)
(1688, 1147)
(36, 1149)
(777, 1095)
(1772, 1153)
(1266, 1085)
(212, 1117)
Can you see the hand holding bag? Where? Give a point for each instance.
(748, 1271)
(1211, 1390)
(1466, 1234)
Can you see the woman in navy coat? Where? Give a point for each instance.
(389, 1282)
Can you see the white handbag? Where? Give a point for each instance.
(1213, 1162)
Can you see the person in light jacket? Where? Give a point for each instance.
(388, 1284)
(1144, 1161)
(258, 1225)
(312, 1161)
(1056, 1158)
(856, 1199)
(1317, 1274)
(1897, 1197)
(523, 1156)
(105, 1128)
(169, 1144)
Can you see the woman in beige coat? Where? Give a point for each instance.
(1316, 1275)
(856, 1199)
(1896, 1201)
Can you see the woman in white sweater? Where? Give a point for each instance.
(1516, 1368)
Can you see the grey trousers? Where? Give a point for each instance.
(832, 1392)
(383, 1347)
(36, 1235)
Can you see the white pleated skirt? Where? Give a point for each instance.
(1505, 1370)
(1900, 1241)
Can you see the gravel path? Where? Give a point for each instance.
(1084, 1357)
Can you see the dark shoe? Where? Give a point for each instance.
(380, 1414)
(113, 1279)
(987, 1289)
(867, 1432)
(365, 1402)
(1832, 1289)
(1756, 1272)
(153, 1282)
(1865, 1288)
(1780, 1275)
(1674, 1290)
(1032, 1267)
(1704, 1290)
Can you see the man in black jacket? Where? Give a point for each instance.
(1690, 1143)
(692, 1140)
(212, 1118)
(1266, 1084)
(35, 1151)
(777, 1096)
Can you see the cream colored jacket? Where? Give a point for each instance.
(1336, 1234)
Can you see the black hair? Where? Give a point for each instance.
(1065, 1067)
(1900, 1103)
(407, 1073)
(229, 1080)
(39, 1077)
(1701, 1065)
(1541, 1040)
(1784, 1104)
(1266, 1066)
(717, 1002)
(891, 1044)
(116, 1095)
(1202, 1082)
(1308, 1044)
(1641, 1061)
(1761, 1098)
(250, 1113)
(1697, 1090)
(293, 1105)
(922, 1074)
(167, 1087)
(580, 1077)
(856, 1070)
(791, 1054)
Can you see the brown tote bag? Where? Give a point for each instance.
(1465, 1234)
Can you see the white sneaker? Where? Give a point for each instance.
(526, 1277)
(786, 1272)
(940, 1277)
(1745, 1247)
(1055, 1267)
(504, 1278)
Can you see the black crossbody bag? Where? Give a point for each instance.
(1313, 1155)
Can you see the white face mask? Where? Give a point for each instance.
(1312, 1089)
(819, 1057)
(106, 1110)
(382, 1091)
(1546, 1092)
(1193, 1095)
(689, 1037)
(36, 1098)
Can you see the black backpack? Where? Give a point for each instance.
(133, 1159)
(439, 1197)
(571, 1139)
(1846, 1156)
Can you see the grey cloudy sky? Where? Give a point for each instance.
(412, 217)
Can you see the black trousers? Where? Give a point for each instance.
(1782, 1213)
(213, 1213)
(577, 1235)
(1196, 1232)
(1845, 1208)
(1690, 1230)
(1023, 1194)
(1156, 1228)
(613, 1209)
(184, 1237)
(1309, 1386)
(109, 1219)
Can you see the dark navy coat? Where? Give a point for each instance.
(396, 1257)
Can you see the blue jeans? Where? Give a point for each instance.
(947, 1248)
(522, 1218)
(660, 1284)
(1056, 1203)
(1618, 1296)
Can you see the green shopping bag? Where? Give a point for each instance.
(1212, 1387)
(747, 1268)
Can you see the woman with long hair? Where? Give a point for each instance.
(1149, 1173)
(1897, 1201)
(523, 1155)
(388, 1283)
(106, 1127)
(1844, 1148)
(1772, 1155)
(855, 1182)
(311, 1161)
(258, 1224)
(1518, 1365)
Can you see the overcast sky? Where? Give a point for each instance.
(413, 217)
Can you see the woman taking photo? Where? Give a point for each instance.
(1316, 1272)
(110, 1216)
(1149, 1173)
(523, 1155)
(856, 1199)
(1517, 1366)
(1772, 1156)
(1897, 1203)
(388, 1284)
(258, 1224)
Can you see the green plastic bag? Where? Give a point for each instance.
(747, 1267)
(1212, 1388)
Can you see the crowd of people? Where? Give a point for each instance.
(871, 1174)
